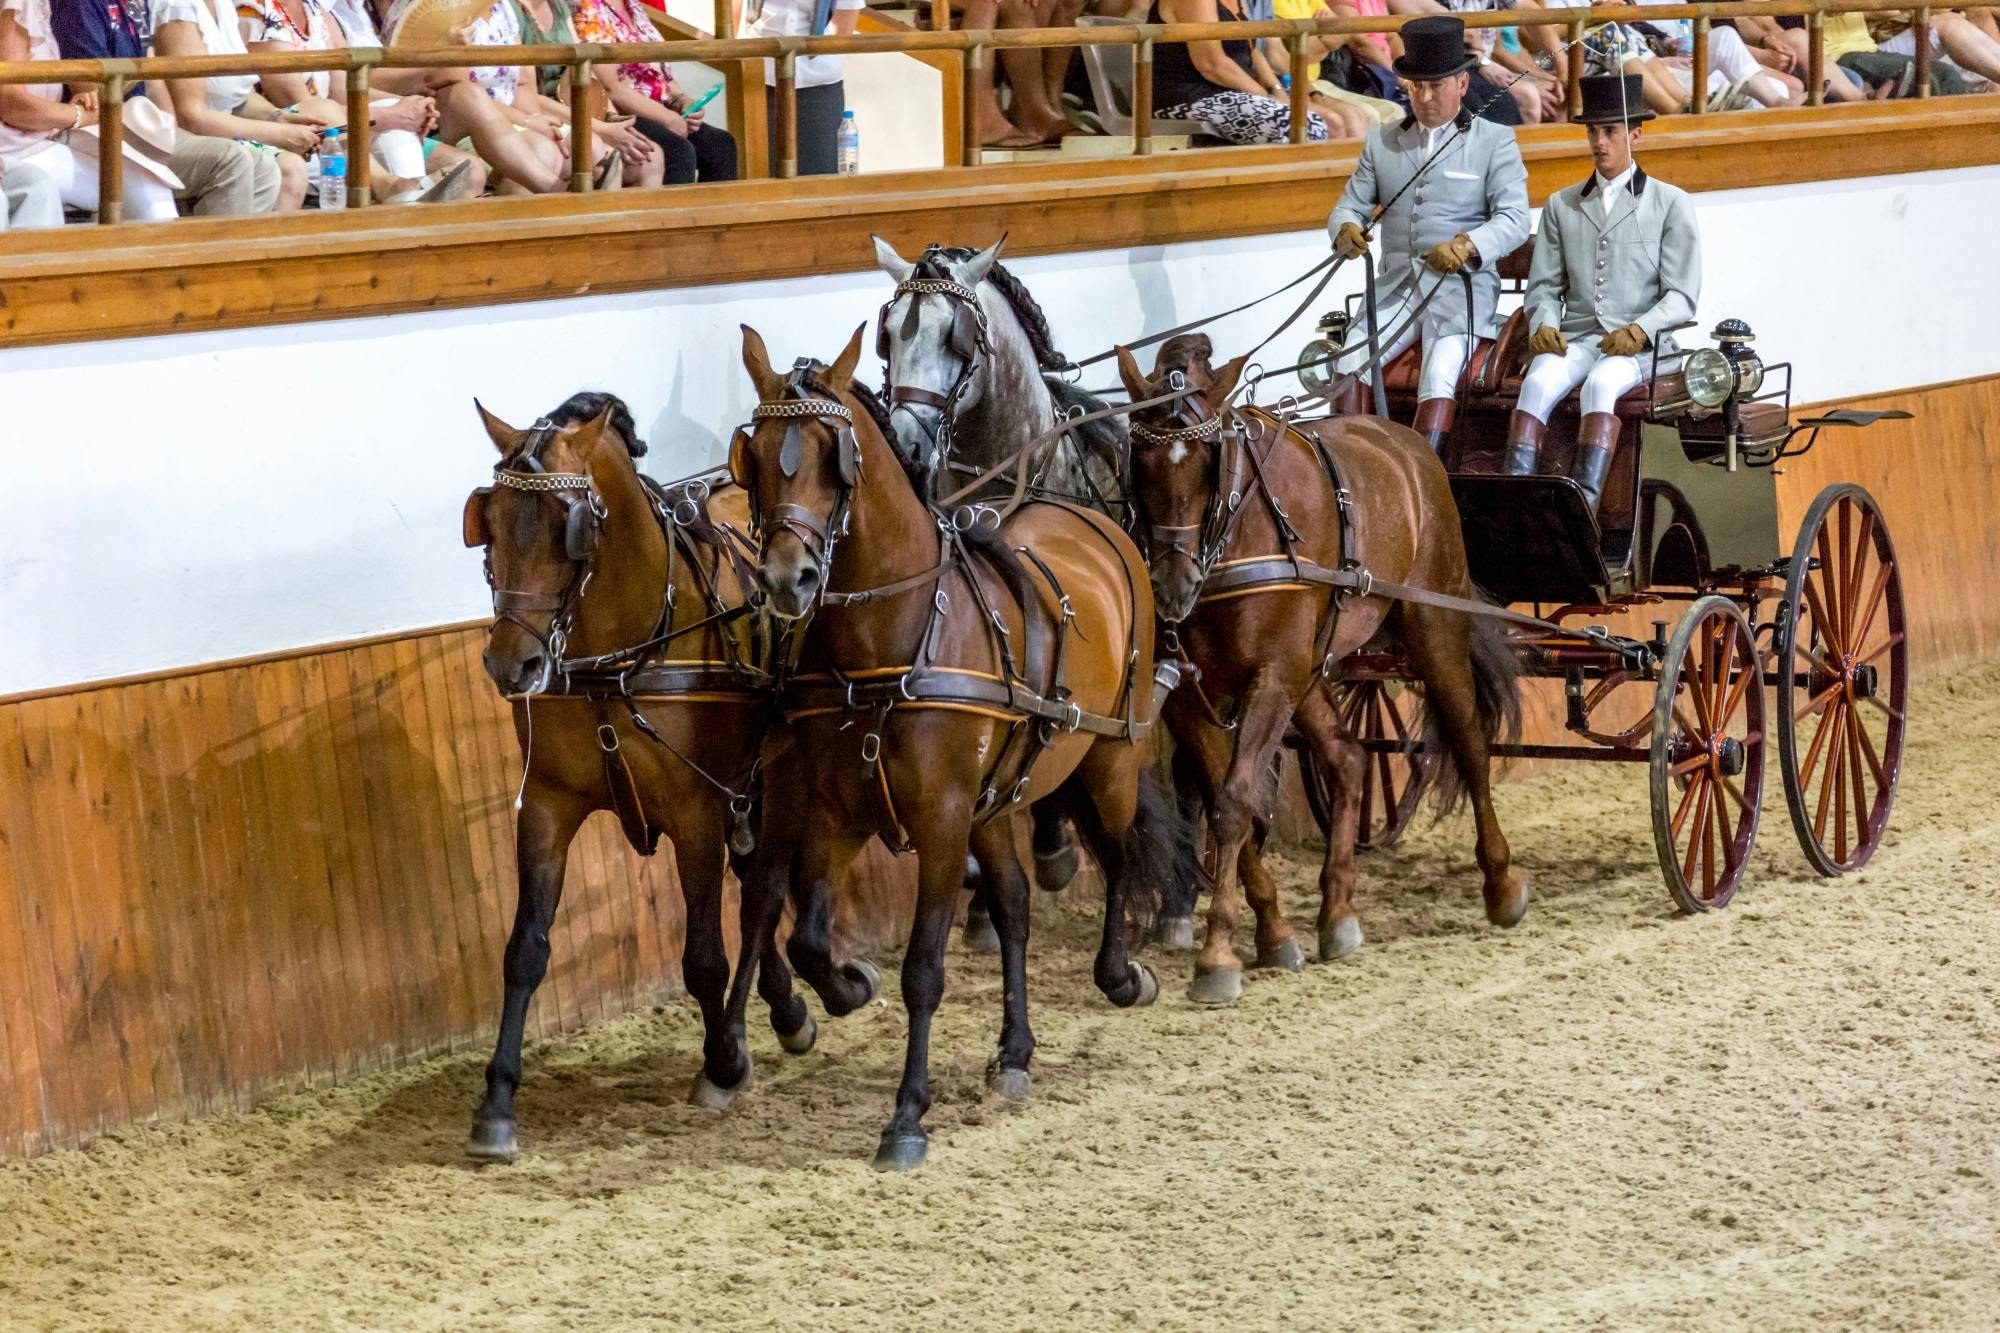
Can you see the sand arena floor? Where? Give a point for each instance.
(1785, 1115)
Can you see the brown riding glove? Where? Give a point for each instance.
(1351, 241)
(1628, 341)
(1453, 255)
(1547, 341)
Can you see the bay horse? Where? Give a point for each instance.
(943, 681)
(587, 557)
(972, 377)
(1239, 514)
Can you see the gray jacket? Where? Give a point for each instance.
(1641, 267)
(1477, 185)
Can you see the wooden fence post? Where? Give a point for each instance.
(110, 147)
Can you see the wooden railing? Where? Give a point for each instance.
(739, 58)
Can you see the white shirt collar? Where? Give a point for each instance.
(1605, 187)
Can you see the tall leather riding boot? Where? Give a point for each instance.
(1524, 444)
(1594, 443)
(1434, 418)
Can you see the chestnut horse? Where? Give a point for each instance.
(1238, 512)
(586, 558)
(943, 682)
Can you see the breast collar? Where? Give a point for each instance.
(1637, 185)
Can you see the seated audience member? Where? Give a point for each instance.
(1229, 84)
(497, 112)
(1964, 43)
(39, 126)
(403, 169)
(31, 200)
(691, 148)
(219, 177)
(1348, 114)
(819, 96)
(228, 106)
(1783, 44)
(1494, 91)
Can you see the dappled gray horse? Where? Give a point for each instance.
(973, 376)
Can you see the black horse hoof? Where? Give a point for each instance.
(979, 934)
(1288, 957)
(1012, 1084)
(493, 1141)
(1174, 933)
(1055, 869)
(800, 1041)
(901, 1152)
(869, 975)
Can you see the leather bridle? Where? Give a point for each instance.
(969, 341)
(819, 536)
(1201, 543)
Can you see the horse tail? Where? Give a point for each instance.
(1496, 685)
(1147, 852)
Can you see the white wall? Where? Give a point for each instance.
(171, 501)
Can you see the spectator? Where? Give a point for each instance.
(1227, 83)
(1530, 99)
(35, 120)
(31, 200)
(1348, 114)
(1035, 78)
(221, 106)
(691, 149)
(1782, 44)
(219, 177)
(819, 96)
(496, 110)
(1736, 77)
(1964, 43)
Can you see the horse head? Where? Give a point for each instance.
(936, 341)
(799, 460)
(541, 522)
(1177, 487)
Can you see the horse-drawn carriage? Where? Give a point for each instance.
(1688, 519)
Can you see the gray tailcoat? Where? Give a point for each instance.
(1641, 267)
(1477, 186)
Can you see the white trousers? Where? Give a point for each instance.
(1605, 379)
(30, 200)
(1444, 356)
(75, 179)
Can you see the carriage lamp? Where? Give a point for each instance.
(1318, 376)
(1728, 370)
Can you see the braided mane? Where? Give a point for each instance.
(1024, 306)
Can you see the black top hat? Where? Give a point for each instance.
(1611, 99)
(1434, 48)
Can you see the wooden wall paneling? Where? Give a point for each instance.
(128, 969)
(366, 978)
(96, 1084)
(478, 718)
(459, 813)
(23, 1127)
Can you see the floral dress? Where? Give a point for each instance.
(267, 21)
(609, 21)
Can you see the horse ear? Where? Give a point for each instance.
(1129, 372)
(603, 452)
(842, 373)
(505, 438)
(757, 361)
(1224, 382)
(974, 270)
(892, 263)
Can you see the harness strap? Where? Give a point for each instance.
(624, 788)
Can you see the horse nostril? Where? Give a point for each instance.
(807, 579)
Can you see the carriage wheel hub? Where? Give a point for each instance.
(1861, 681)
(1729, 756)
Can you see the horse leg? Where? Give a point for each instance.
(1106, 813)
(1440, 648)
(1261, 721)
(790, 1018)
(1054, 845)
(941, 837)
(725, 1065)
(1345, 764)
(978, 935)
(1262, 891)
(825, 852)
(1006, 887)
(542, 833)
(1175, 930)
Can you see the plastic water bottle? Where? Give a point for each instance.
(847, 148)
(333, 170)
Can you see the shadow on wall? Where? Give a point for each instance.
(676, 435)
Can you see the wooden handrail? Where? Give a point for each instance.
(973, 48)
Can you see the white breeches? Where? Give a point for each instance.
(75, 178)
(1444, 356)
(1605, 379)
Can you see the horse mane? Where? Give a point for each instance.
(1185, 352)
(588, 405)
(1024, 306)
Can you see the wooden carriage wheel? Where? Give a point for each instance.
(1392, 783)
(1708, 754)
(1843, 680)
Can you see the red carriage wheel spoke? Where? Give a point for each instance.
(1735, 794)
(1689, 764)
(1737, 690)
(1887, 709)
(1694, 733)
(1681, 810)
(1718, 714)
(1857, 565)
(1856, 775)
(1874, 758)
(1892, 641)
(1700, 832)
(1819, 738)
(1820, 700)
(1875, 595)
(1841, 608)
(1838, 717)
(1819, 591)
